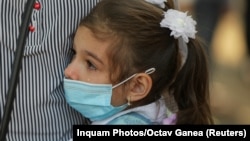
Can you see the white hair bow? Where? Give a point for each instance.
(181, 25)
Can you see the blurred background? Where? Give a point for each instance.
(224, 26)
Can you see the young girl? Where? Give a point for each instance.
(138, 62)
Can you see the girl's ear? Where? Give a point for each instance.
(139, 87)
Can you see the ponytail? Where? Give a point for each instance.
(191, 88)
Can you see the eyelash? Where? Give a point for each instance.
(91, 66)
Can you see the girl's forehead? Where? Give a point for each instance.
(86, 41)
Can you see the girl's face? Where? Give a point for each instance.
(90, 63)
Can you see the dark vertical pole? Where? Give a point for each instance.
(16, 69)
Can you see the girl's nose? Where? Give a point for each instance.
(67, 72)
(70, 73)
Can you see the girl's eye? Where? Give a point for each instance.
(90, 65)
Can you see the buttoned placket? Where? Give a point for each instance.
(33, 24)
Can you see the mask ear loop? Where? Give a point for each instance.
(149, 71)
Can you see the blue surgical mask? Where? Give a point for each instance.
(93, 100)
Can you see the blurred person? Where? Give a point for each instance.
(40, 112)
(247, 23)
(207, 14)
(245, 72)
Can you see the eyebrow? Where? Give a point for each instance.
(94, 56)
